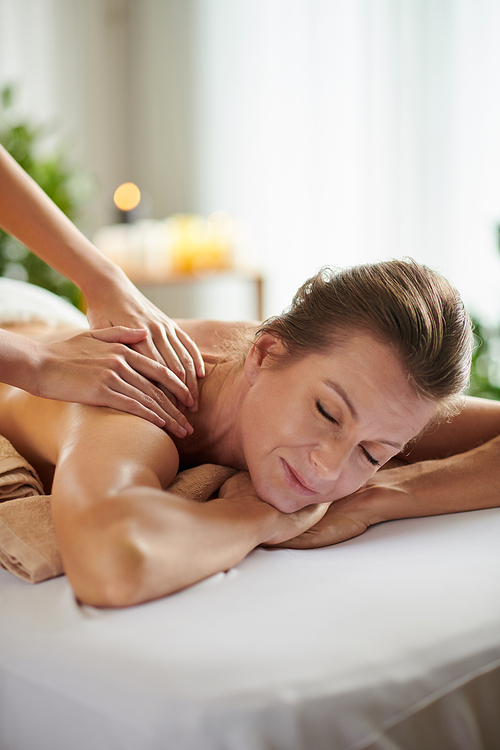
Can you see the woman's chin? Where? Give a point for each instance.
(284, 504)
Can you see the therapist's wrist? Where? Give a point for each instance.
(105, 283)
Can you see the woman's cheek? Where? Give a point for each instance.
(353, 478)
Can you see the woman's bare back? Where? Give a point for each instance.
(38, 427)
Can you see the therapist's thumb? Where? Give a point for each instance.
(120, 334)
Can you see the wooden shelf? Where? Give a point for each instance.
(226, 295)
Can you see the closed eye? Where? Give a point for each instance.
(331, 419)
(324, 413)
(372, 460)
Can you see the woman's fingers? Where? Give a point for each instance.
(343, 520)
(296, 525)
(337, 529)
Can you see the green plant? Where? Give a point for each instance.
(485, 371)
(56, 177)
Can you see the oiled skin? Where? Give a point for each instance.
(124, 540)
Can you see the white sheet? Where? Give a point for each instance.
(390, 640)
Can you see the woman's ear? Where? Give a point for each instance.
(257, 356)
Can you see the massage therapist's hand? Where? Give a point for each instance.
(282, 526)
(122, 304)
(99, 368)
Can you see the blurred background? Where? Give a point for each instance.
(267, 138)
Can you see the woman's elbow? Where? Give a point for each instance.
(111, 570)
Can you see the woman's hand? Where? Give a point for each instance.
(343, 520)
(387, 495)
(164, 342)
(239, 488)
(99, 368)
(466, 481)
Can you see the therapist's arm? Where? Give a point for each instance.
(28, 214)
(95, 368)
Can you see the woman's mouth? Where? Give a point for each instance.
(295, 481)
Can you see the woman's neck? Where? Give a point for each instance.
(216, 438)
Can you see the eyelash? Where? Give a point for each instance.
(324, 413)
(327, 416)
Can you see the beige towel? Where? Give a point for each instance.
(28, 544)
(17, 477)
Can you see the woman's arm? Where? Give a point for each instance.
(477, 423)
(27, 213)
(123, 539)
(469, 481)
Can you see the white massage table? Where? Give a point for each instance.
(390, 641)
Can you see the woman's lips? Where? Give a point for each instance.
(295, 481)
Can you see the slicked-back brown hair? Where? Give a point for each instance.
(408, 305)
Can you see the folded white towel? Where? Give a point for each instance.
(21, 302)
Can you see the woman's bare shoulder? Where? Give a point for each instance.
(33, 425)
(212, 336)
(45, 432)
(119, 444)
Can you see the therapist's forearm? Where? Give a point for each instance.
(28, 214)
(20, 359)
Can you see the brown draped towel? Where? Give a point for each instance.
(28, 543)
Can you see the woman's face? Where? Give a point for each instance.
(318, 429)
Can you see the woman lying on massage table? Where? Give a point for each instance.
(326, 394)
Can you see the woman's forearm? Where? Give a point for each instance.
(467, 481)
(146, 544)
(478, 422)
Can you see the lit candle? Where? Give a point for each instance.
(126, 198)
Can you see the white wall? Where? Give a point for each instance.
(338, 130)
(113, 77)
(353, 130)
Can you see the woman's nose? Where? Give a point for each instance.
(330, 461)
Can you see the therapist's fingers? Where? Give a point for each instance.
(192, 350)
(148, 366)
(187, 355)
(93, 368)
(124, 389)
(164, 345)
(119, 334)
